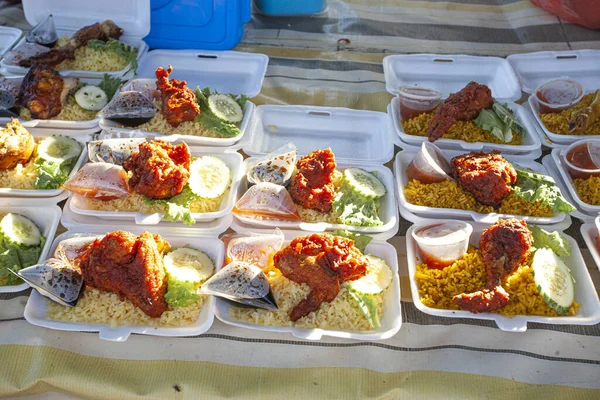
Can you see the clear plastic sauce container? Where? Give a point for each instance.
(582, 159)
(442, 244)
(559, 94)
(429, 165)
(415, 101)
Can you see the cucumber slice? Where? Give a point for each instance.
(225, 108)
(553, 280)
(377, 279)
(508, 118)
(364, 183)
(209, 177)
(20, 230)
(187, 264)
(91, 98)
(58, 149)
(368, 306)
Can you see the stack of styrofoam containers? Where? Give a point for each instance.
(533, 69)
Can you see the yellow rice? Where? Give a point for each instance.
(341, 314)
(136, 203)
(448, 194)
(71, 111)
(314, 216)
(559, 122)
(437, 287)
(460, 130)
(588, 189)
(88, 59)
(99, 307)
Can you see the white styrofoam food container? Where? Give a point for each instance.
(234, 162)
(403, 160)
(585, 292)
(388, 213)
(8, 37)
(133, 16)
(450, 73)
(589, 231)
(37, 305)
(391, 318)
(353, 135)
(531, 142)
(52, 123)
(46, 217)
(224, 71)
(558, 158)
(81, 138)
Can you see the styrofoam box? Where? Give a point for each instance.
(388, 213)
(81, 138)
(450, 73)
(531, 142)
(403, 160)
(353, 135)
(8, 37)
(133, 17)
(225, 71)
(233, 161)
(558, 157)
(590, 236)
(52, 123)
(585, 293)
(45, 217)
(37, 305)
(391, 318)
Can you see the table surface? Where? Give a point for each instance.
(333, 59)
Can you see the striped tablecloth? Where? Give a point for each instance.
(431, 357)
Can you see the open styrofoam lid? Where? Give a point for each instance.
(450, 73)
(353, 135)
(71, 15)
(225, 71)
(8, 37)
(535, 68)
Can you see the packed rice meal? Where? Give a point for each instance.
(28, 163)
(471, 115)
(317, 281)
(518, 269)
(133, 175)
(311, 190)
(109, 56)
(588, 189)
(71, 111)
(559, 122)
(130, 280)
(21, 244)
(481, 182)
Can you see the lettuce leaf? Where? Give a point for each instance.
(536, 187)
(360, 241)
(356, 210)
(489, 121)
(551, 240)
(180, 293)
(110, 85)
(51, 175)
(212, 122)
(178, 206)
(368, 306)
(15, 258)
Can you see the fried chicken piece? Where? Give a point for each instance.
(461, 106)
(159, 169)
(129, 266)
(101, 31)
(487, 176)
(504, 246)
(43, 91)
(312, 186)
(16, 145)
(179, 103)
(323, 262)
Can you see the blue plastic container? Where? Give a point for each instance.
(290, 7)
(197, 24)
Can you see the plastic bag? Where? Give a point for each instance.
(267, 201)
(276, 167)
(101, 181)
(581, 12)
(253, 248)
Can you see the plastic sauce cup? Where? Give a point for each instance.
(558, 94)
(582, 158)
(442, 244)
(429, 165)
(415, 101)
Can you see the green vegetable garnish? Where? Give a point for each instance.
(209, 120)
(536, 187)
(110, 85)
(368, 306)
(356, 210)
(360, 241)
(16, 257)
(550, 240)
(489, 121)
(180, 293)
(129, 53)
(178, 206)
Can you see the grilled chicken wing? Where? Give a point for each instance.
(16, 145)
(312, 186)
(179, 103)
